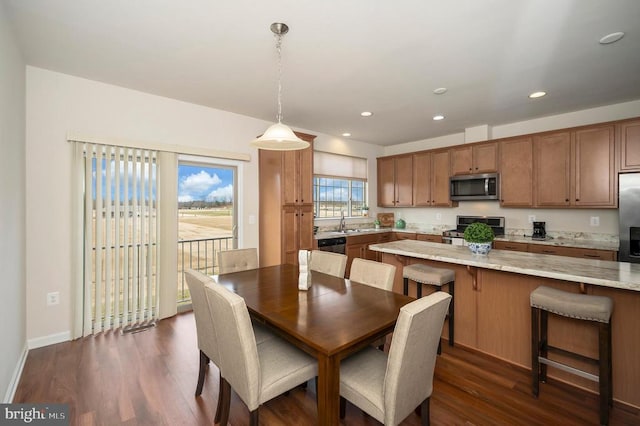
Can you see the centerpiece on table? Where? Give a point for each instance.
(479, 237)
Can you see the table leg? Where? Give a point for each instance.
(328, 390)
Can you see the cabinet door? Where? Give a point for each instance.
(305, 227)
(430, 238)
(485, 158)
(298, 176)
(422, 179)
(552, 182)
(404, 181)
(289, 235)
(352, 251)
(440, 169)
(386, 182)
(305, 175)
(462, 160)
(516, 173)
(629, 146)
(513, 246)
(594, 179)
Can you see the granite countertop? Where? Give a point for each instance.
(605, 273)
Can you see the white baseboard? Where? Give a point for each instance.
(15, 379)
(51, 339)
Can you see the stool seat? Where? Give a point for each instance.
(425, 274)
(572, 305)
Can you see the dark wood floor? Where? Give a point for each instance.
(149, 378)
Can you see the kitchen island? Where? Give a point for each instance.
(492, 308)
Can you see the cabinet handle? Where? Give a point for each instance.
(577, 199)
(592, 256)
(470, 169)
(548, 251)
(566, 200)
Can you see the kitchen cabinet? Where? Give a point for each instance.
(286, 203)
(358, 247)
(552, 168)
(513, 246)
(629, 146)
(516, 172)
(429, 237)
(431, 171)
(395, 181)
(476, 158)
(404, 236)
(594, 178)
(575, 169)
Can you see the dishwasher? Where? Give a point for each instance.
(333, 244)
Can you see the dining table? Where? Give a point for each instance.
(332, 319)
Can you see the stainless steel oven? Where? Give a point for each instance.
(456, 236)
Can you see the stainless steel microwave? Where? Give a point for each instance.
(475, 187)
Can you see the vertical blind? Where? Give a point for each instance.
(120, 237)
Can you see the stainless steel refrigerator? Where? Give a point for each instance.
(629, 211)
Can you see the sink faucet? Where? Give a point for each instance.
(342, 224)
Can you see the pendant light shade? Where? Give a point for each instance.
(279, 137)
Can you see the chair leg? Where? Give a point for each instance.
(418, 290)
(424, 412)
(604, 373)
(451, 311)
(535, 344)
(204, 363)
(254, 418)
(219, 408)
(226, 401)
(343, 407)
(405, 286)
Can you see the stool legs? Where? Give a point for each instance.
(535, 347)
(451, 311)
(405, 290)
(605, 379)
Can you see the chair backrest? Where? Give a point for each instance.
(328, 262)
(196, 281)
(239, 362)
(237, 260)
(375, 274)
(412, 356)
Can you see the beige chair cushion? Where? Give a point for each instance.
(328, 263)
(196, 282)
(390, 387)
(428, 275)
(237, 260)
(256, 372)
(375, 274)
(579, 306)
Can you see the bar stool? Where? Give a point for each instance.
(596, 309)
(423, 274)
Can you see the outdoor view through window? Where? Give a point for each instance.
(206, 218)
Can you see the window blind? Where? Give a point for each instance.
(337, 165)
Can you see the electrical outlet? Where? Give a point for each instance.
(595, 221)
(438, 216)
(532, 218)
(53, 298)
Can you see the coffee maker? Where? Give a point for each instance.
(539, 231)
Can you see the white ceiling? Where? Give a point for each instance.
(342, 57)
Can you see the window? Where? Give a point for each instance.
(339, 185)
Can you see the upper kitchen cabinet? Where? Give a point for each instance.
(286, 203)
(575, 169)
(516, 172)
(594, 177)
(431, 179)
(629, 146)
(395, 181)
(472, 159)
(552, 169)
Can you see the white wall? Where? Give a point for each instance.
(58, 104)
(570, 220)
(12, 200)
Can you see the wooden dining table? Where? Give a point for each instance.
(334, 318)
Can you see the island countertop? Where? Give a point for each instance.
(620, 275)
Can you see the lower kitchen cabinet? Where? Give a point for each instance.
(429, 237)
(358, 246)
(506, 245)
(585, 253)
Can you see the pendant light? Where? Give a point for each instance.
(279, 137)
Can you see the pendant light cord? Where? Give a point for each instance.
(279, 50)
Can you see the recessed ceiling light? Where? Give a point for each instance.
(438, 117)
(440, 90)
(346, 134)
(611, 38)
(366, 113)
(537, 95)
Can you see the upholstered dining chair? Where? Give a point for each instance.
(375, 274)
(256, 372)
(389, 387)
(237, 260)
(207, 343)
(328, 262)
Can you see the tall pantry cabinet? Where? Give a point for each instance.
(285, 203)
